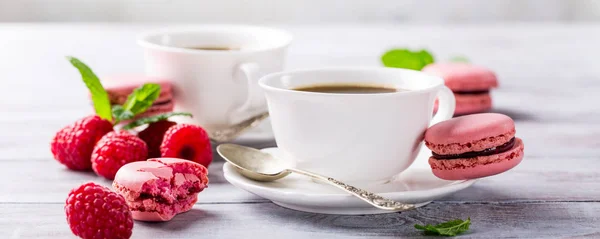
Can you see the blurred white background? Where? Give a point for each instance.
(300, 11)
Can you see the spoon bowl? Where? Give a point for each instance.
(253, 163)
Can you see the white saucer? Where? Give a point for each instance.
(416, 185)
(261, 133)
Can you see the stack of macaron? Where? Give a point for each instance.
(471, 85)
(120, 86)
(473, 146)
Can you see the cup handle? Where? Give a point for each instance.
(250, 71)
(446, 105)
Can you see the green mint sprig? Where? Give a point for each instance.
(414, 60)
(99, 96)
(137, 102)
(405, 58)
(142, 98)
(120, 113)
(449, 228)
(153, 119)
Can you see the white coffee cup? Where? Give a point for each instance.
(219, 87)
(354, 137)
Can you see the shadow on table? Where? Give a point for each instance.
(479, 193)
(194, 217)
(85, 174)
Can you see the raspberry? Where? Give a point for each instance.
(116, 149)
(153, 136)
(93, 211)
(73, 144)
(187, 141)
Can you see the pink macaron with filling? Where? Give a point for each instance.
(473, 146)
(470, 83)
(120, 86)
(160, 188)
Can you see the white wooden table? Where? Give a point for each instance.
(550, 79)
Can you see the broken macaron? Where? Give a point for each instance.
(160, 188)
(473, 146)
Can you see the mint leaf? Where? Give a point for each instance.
(99, 95)
(449, 228)
(153, 119)
(142, 98)
(459, 59)
(426, 57)
(405, 58)
(120, 113)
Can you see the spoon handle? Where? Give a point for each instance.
(234, 131)
(369, 197)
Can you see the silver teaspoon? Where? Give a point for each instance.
(233, 132)
(261, 166)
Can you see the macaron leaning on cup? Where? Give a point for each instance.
(160, 188)
(473, 146)
(471, 85)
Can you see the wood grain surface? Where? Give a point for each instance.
(549, 79)
(267, 220)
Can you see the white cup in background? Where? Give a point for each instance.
(354, 137)
(219, 87)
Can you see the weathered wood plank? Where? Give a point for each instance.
(266, 220)
(535, 179)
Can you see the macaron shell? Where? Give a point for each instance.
(119, 87)
(134, 175)
(157, 109)
(463, 76)
(119, 95)
(150, 216)
(478, 167)
(472, 103)
(178, 161)
(152, 111)
(165, 95)
(469, 133)
(469, 104)
(166, 214)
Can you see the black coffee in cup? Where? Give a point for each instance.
(349, 89)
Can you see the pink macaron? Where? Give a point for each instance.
(473, 146)
(120, 86)
(160, 188)
(471, 85)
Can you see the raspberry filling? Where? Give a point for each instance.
(494, 150)
(476, 92)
